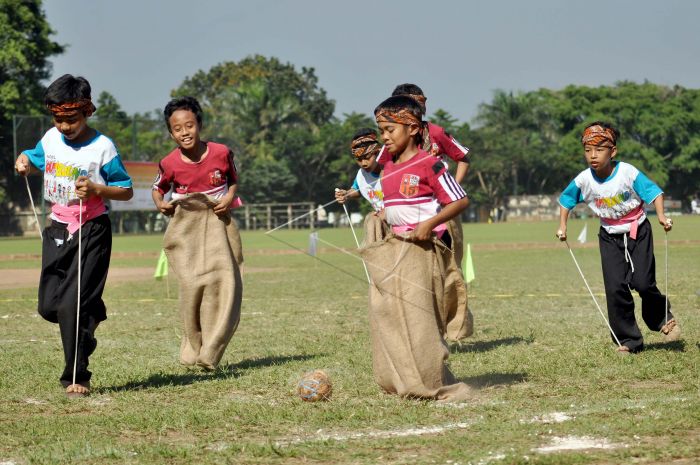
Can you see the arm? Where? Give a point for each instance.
(342, 195)
(425, 228)
(667, 223)
(85, 188)
(164, 207)
(563, 218)
(224, 204)
(24, 167)
(462, 170)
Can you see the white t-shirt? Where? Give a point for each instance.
(369, 185)
(62, 163)
(613, 197)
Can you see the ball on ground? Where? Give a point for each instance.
(314, 386)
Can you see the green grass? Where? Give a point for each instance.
(540, 347)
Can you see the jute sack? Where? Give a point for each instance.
(205, 252)
(375, 229)
(406, 315)
(460, 321)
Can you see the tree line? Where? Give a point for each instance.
(290, 146)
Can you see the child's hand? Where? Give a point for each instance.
(84, 188)
(561, 233)
(22, 165)
(340, 195)
(223, 206)
(667, 223)
(166, 208)
(422, 232)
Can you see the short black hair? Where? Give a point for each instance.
(364, 132)
(397, 103)
(403, 89)
(67, 88)
(606, 125)
(183, 103)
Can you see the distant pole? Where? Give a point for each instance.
(134, 142)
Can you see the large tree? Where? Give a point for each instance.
(25, 47)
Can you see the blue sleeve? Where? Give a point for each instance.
(114, 173)
(37, 156)
(355, 185)
(645, 188)
(571, 196)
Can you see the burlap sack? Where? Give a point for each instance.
(375, 229)
(406, 314)
(205, 252)
(460, 321)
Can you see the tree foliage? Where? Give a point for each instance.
(25, 46)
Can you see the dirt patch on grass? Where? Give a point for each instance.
(29, 277)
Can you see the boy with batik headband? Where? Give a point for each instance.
(407, 268)
(365, 148)
(616, 192)
(202, 241)
(81, 168)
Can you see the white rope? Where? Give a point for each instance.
(591, 293)
(80, 265)
(347, 215)
(31, 200)
(666, 243)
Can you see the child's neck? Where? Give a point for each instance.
(196, 153)
(605, 171)
(409, 152)
(86, 135)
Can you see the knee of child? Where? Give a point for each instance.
(48, 312)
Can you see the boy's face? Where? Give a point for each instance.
(184, 129)
(396, 136)
(72, 127)
(598, 156)
(368, 162)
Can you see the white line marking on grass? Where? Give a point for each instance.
(548, 418)
(387, 434)
(8, 462)
(32, 401)
(558, 444)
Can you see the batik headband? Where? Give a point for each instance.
(403, 116)
(420, 100)
(83, 105)
(597, 135)
(364, 145)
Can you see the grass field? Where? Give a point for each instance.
(551, 388)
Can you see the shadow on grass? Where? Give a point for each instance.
(494, 380)
(485, 346)
(675, 346)
(232, 370)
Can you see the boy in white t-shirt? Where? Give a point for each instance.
(78, 163)
(365, 148)
(616, 192)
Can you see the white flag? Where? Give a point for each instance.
(582, 236)
(313, 243)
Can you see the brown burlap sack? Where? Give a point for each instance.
(460, 321)
(406, 320)
(205, 252)
(375, 229)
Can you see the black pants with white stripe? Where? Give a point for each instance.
(619, 279)
(58, 288)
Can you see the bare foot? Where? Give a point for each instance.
(75, 391)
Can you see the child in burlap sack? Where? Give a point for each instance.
(407, 266)
(202, 241)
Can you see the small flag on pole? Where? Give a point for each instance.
(162, 266)
(582, 236)
(468, 266)
(313, 243)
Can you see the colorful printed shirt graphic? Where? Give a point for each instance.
(614, 197)
(62, 163)
(415, 190)
(369, 185)
(211, 175)
(438, 143)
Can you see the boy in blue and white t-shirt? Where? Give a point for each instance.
(365, 148)
(616, 192)
(81, 168)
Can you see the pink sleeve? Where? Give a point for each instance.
(163, 181)
(445, 187)
(448, 144)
